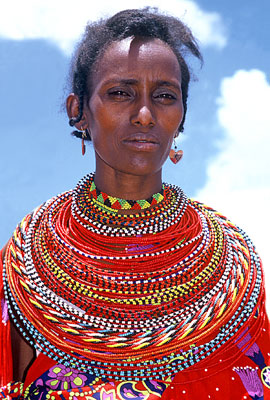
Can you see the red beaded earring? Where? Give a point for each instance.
(84, 136)
(175, 156)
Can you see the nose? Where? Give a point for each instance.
(143, 117)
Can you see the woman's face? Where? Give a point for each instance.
(135, 107)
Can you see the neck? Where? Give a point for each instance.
(127, 186)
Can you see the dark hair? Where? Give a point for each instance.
(147, 22)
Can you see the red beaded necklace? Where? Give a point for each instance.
(91, 284)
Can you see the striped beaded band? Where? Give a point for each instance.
(112, 203)
(106, 221)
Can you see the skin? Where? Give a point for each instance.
(133, 115)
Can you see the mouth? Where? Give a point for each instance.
(142, 141)
(139, 144)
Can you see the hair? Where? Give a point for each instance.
(148, 23)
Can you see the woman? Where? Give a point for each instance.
(125, 298)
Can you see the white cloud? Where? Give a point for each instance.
(239, 177)
(62, 21)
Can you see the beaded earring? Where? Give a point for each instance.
(175, 156)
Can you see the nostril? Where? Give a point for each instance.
(143, 122)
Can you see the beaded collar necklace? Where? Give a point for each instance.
(130, 296)
(111, 203)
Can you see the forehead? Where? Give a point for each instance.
(137, 57)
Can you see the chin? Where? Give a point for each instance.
(141, 170)
(141, 166)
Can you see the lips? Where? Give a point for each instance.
(142, 136)
(141, 142)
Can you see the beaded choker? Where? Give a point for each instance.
(130, 296)
(114, 203)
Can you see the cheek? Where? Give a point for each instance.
(171, 121)
(102, 124)
(180, 114)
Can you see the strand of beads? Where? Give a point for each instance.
(114, 203)
(85, 297)
(108, 222)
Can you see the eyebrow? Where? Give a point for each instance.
(170, 84)
(122, 81)
(132, 81)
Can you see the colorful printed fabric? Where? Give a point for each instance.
(60, 382)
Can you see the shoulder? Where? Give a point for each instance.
(24, 225)
(235, 235)
(14, 253)
(213, 213)
(206, 208)
(13, 267)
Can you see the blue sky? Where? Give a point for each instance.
(226, 141)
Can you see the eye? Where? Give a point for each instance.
(118, 94)
(165, 97)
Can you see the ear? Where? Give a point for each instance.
(73, 111)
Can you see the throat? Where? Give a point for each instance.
(127, 186)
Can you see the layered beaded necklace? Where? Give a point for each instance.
(130, 296)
